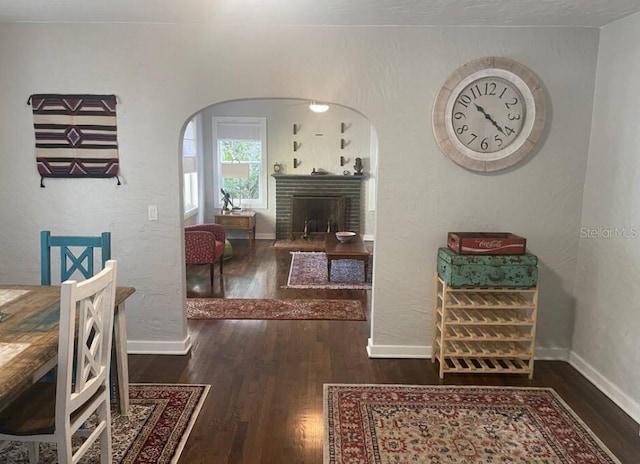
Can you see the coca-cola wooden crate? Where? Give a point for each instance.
(486, 243)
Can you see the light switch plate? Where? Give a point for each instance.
(153, 213)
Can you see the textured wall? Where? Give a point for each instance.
(607, 326)
(162, 74)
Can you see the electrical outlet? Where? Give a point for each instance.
(153, 213)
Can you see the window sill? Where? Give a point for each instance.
(190, 213)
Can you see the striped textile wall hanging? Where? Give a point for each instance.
(75, 135)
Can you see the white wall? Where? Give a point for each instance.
(606, 340)
(164, 73)
(319, 138)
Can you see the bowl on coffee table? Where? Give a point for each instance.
(345, 237)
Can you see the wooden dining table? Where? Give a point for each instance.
(29, 332)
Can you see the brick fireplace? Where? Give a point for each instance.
(324, 200)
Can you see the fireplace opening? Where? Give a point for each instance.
(313, 216)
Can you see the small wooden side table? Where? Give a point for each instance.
(242, 220)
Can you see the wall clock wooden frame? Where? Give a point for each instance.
(482, 81)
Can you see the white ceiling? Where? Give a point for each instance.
(586, 13)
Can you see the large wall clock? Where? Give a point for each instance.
(489, 114)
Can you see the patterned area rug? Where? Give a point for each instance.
(454, 425)
(309, 270)
(156, 430)
(236, 308)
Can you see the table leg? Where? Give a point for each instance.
(122, 363)
(328, 269)
(366, 268)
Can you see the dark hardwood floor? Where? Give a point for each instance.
(265, 403)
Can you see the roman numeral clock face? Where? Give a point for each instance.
(489, 114)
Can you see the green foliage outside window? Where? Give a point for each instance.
(244, 151)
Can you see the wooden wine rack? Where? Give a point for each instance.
(484, 330)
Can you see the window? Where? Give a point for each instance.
(241, 141)
(190, 168)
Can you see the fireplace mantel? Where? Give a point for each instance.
(332, 177)
(290, 185)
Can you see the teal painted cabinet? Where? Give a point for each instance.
(460, 271)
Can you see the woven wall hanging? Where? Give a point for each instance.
(75, 135)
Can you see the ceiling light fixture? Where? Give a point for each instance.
(318, 107)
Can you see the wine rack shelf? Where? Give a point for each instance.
(484, 330)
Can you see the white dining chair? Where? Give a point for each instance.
(56, 412)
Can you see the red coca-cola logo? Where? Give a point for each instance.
(490, 243)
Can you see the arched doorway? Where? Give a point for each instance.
(297, 140)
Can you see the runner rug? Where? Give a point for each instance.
(454, 425)
(238, 308)
(160, 420)
(309, 270)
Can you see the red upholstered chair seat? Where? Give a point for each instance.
(204, 244)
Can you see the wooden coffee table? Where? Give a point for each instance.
(355, 249)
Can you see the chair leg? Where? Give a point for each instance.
(33, 448)
(65, 451)
(222, 264)
(104, 414)
(213, 266)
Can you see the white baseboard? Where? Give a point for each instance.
(614, 393)
(159, 347)
(551, 354)
(369, 237)
(424, 351)
(398, 351)
(271, 236)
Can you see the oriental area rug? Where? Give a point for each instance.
(454, 425)
(160, 420)
(309, 270)
(244, 308)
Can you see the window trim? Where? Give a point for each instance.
(193, 210)
(187, 213)
(261, 121)
(198, 162)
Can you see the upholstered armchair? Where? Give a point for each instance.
(204, 244)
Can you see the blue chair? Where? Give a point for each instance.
(80, 258)
(76, 254)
